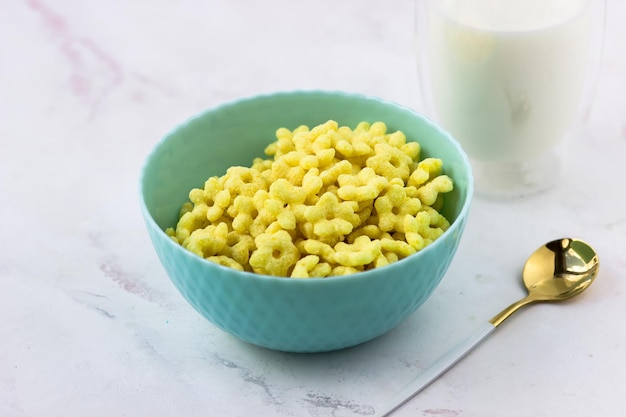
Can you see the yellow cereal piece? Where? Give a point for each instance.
(268, 210)
(353, 146)
(283, 145)
(328, 201)
(381, 261)
(172, 234)
(330, 217)
(316, 144)
(330, 125)
(213, 185)
(197, 196)
(366, 185)
(186, 208)
(321, 143)
(259, 199)
(242, 181)
(344, 270)
(321, 270)
(305, 266)
(330, 175)
(325, 157)
(288, 193)
(273, 207)
(377, 129)
(370, 230)
(391, 257)
(260, 224)
(309, 161)
(213, 196)
(390, 162)
(302, 139)
(298, 212)
(400, 248)
(432, 234)
(361, 252)
(365, 213)
(392, 205)
(226, 261)
(283, 133)
(243, 212)
(275, 254)
(221, 201)
(366, 138)
(302, 159)
(308, 233)
(316, 247)
(271, 149)
(312, 184)
(362, 127)
(429, 192)
(287, 219)
(337, 135)
(425, 171)
(281, 169)
(295, 175)
(436, 219)
(412, 150)
(191, 221)
(238, 247)
(414, 228)
(397, 139)
(301, 128)
(208, 241)
(274, 227)
(344, 147)
(332, 188)
(261, 165)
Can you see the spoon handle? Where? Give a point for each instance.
(436, 369)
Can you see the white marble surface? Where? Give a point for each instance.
(91, 325)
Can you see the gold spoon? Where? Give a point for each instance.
(556, 271)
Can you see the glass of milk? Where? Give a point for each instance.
(511, 80)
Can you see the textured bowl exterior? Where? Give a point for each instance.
(298, 315)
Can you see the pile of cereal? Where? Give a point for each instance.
(331, 201)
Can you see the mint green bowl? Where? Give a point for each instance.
(297, 315)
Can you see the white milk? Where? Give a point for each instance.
(507, 75)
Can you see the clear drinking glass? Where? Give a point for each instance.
(511, 80)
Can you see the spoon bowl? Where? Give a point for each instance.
(556, 271)
(560, 269)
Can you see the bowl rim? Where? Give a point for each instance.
(457, 223)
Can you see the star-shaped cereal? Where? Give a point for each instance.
(238, 247)
(286, 192)
(364, 186)
(316, 247)
(426, 170)
(361, 252)
(208, 241)
(226, 261)
(429, 192)
(275, 254)
(190, 221)
(309, 267)
(393, 205)
(390, 162)
(330, 217)
(242, 181)
(330, 175)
